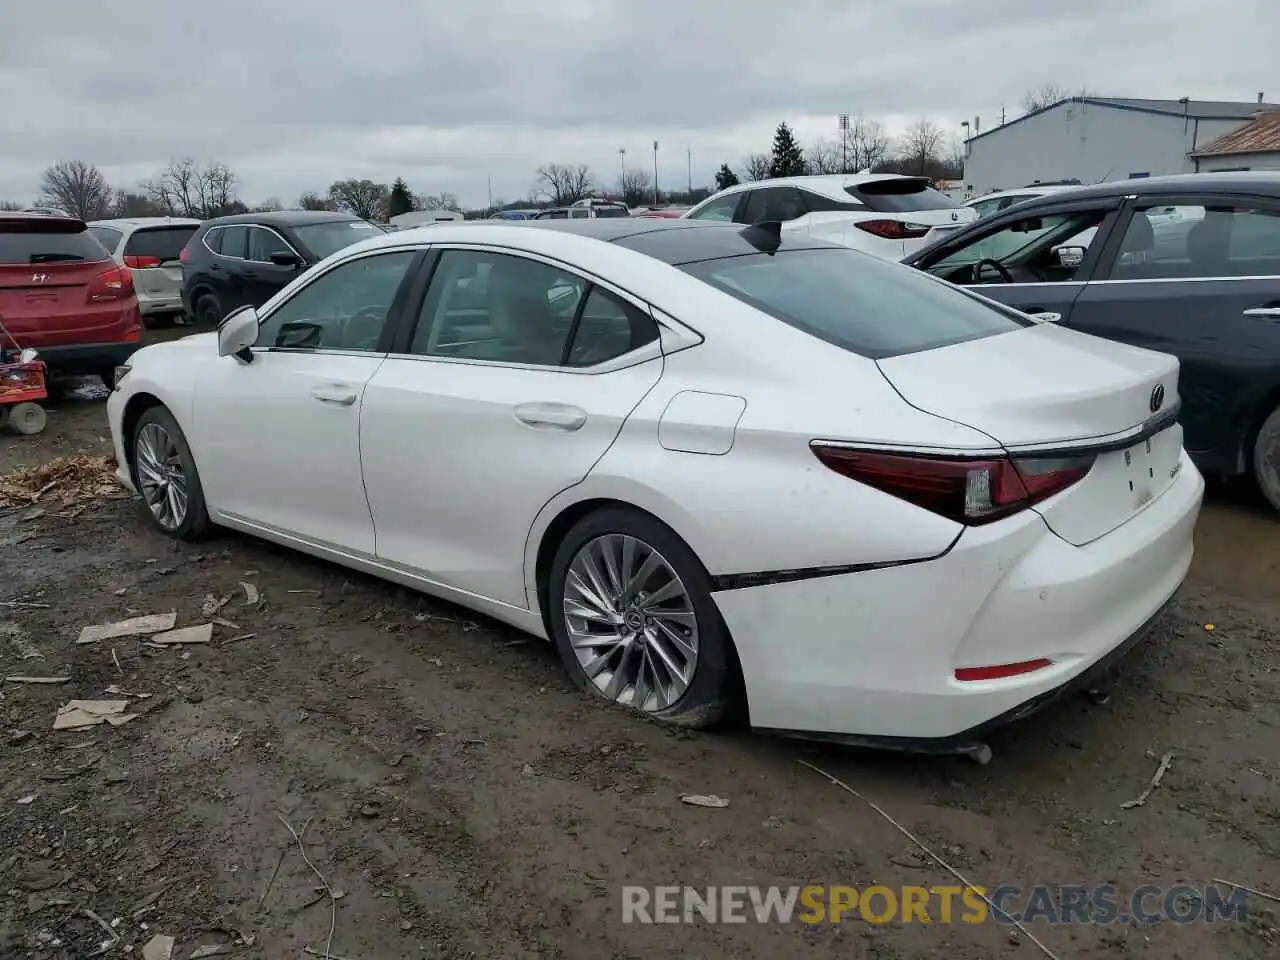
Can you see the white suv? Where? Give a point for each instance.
(149, 247)
(885, 214)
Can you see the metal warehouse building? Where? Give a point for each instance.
(1096, 139)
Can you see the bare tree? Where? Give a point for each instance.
(755, 166)
(10, 205)
(866, 144)
(216, 187)
(128, 203)
(1047, 94)
(635, 185)
(313, 201)
(823, 157)
(269, 205)
(920, 145)
(564, 183)
(76, 187)
(363, 198)
(440, 201)
(184, 188)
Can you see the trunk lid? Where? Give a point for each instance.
(1048, 388)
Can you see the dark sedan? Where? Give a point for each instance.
(1187, 265)
(242, 260)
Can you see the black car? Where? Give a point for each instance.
(1187, 265)
(242, 260)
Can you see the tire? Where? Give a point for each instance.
(160, 460)
(1266, 458)
(710, 693)
(108, 377)
(27, 418)
(208, 312)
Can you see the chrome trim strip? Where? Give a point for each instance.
(1270, 277)
(874, 446)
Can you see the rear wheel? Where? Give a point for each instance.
(27, 418)
(208, 311)
(1266, 458)
(631, 612)
(166, 476)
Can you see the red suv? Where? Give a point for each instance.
(61, 293)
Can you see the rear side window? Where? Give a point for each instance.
(30, 241)
(900, 195)
(106, 236)
(235, 242)
(163, 243)
(868, 306)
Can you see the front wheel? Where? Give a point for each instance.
(166, 476)
(1266, 458)
(632, 615)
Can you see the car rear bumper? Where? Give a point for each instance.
(87, 358)
(152, 303)
(871, 656)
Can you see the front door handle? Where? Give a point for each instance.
(1045, 316)
(334, 393)
(1267, 313)
(559, 416)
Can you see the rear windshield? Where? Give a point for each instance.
(25, 241)
(331, 236)
(898, 195)
(611, 212)
(871, 307)
(163, 242)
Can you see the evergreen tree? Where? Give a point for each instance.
(400, 200)
(787, 159)
(725, 177)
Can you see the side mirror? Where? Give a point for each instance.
(286, 258)
(1070, 256)
(237, 333)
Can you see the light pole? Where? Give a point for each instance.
(844, 143)
(689, 152)
(655, 173)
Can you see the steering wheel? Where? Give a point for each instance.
(363, 329)
(1005, 275)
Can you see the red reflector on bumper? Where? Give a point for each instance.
(1001, 670)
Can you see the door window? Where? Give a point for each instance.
(1183, 241)
(345, 308)
(1040, 249)
(234, 241)
(263, 243)
(986, 207)
(608, 328)
(774, 204)
(720, 208)
(497, 307)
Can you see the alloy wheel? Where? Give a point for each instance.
(631, 622)
(161, 479)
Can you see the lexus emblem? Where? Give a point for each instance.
(954, 215)
(1157, 397)
(39, 277)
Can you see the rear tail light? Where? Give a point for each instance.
(893, 229)
(968, 490)
(1001, 671)
(141, 263)
(185, 255)
(113, 284)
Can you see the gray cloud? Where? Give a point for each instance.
(450, 94)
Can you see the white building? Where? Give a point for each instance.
(1097, 139)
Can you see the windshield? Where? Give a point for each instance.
(328, 237)
(868, 306)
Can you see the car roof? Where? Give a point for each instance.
(1034, 191)
(137, 222)
(284, 218)
(673, 242)
(1267, 184)
(18, 216)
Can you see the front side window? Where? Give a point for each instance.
(1188, 241)
(263, 243)
(719, 209)
(868, 306)
(346, 308)
(497, 307)
(1043, 249)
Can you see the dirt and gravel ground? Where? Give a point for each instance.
(466, 802)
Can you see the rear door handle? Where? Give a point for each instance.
(1267, 313)
(334, 393)
(1045, 316)
(559, 416)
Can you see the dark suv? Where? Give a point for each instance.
(236, 261)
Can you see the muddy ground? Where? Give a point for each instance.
(466, 802)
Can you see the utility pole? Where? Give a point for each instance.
(689, 151)
(655, 173)
(491, 193)
(844, 143)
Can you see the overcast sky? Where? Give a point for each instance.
(449, 93)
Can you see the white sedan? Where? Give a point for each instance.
(718, 467)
